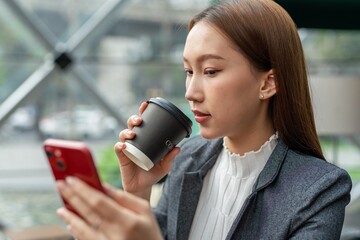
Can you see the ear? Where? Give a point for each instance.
(268, 85)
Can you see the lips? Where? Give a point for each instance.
(201, 117)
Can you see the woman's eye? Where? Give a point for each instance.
(211, 72)
(188, 72)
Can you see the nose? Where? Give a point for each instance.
(194, 89)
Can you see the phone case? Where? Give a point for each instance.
(71, 158)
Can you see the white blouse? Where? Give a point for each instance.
(225, 188)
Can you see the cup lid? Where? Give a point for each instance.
(175, 111)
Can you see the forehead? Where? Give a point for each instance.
(206, 38)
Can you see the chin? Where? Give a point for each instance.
(209, 135)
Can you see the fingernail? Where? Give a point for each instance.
(60, 186)
(119, 145)
(129, 132)
(137, 119)
(71, 181)
(61, 212)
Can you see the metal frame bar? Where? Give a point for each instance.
(82, 76)
(48, 40)
(21, 93)
(36, 27)
(97, 19)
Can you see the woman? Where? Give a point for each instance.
(257, 170)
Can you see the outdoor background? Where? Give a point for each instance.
(78, 69)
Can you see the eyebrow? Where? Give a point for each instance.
(205, 57)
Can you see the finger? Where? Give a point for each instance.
(126, 134)
(80, 206)
(142, 107)
(123, 159)
(95, 204)
(107, 210)
(133, 120)
(87, 201)
(118, 147)
(127, 200)
(77, 227)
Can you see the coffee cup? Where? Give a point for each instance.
(163, 127)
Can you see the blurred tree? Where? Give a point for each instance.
(108, 167)
(329, 46)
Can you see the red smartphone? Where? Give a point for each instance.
(72, 158)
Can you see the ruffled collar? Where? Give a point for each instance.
(250, 163)
(268, 145)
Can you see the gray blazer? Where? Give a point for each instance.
(296, 196)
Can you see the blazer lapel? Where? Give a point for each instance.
(272, 167)
(204, 158)
(266, 177)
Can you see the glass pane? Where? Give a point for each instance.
(67, 111)
(62, 18)
(20, 53)
(16, 41)
(332, 52)
(13, 74)
(140, 33)
(125, 86)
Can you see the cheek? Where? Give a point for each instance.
(238, 99)
(224, 99)
(187, 83)
(187, 80)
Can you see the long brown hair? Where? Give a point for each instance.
(267, 36)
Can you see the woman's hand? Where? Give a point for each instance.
(117, 215)
(134, 179)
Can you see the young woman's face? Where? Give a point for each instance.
(221, 86)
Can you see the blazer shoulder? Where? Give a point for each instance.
(305, 169)
(297, 159)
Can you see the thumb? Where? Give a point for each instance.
(123, 159)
